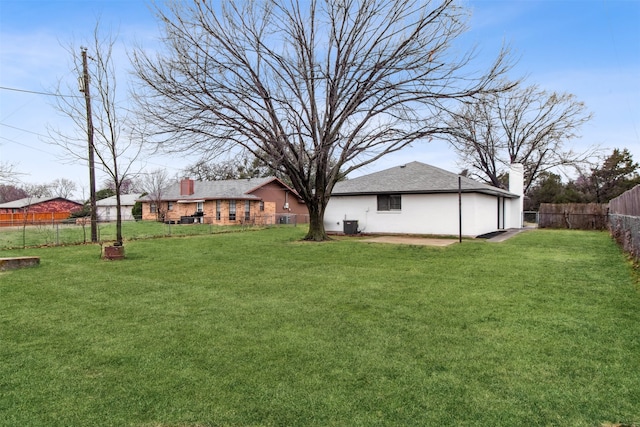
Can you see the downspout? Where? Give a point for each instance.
(459, 209)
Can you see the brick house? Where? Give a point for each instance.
(229, 202)
(40, 205)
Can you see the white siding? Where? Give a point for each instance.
(106, 208)
(108, 213)
(516, 186)
(436, 214)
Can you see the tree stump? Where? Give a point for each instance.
(113, 253)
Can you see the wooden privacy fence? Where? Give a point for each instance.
(32, 218)
(628, 203)
(624, 221)
(578, 216)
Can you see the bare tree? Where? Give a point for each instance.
(62, 187)
(127, 186)
(523, 125)
(313, 89)
(39, 190)
(204, 170)
(7, 173)
(154, 183)
(33, 191)
(115, 139)
(239, 167)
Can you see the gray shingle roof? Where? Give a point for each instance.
(125, 200)
(212, 190)
(414, 178)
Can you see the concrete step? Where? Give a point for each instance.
(14, 263)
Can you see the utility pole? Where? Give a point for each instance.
(84, 87)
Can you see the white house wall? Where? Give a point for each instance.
(420, 214)
(516, 186)
(108, 213)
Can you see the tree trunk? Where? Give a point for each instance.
(118, 218)
(316, 231)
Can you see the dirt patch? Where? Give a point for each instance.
(401, 240)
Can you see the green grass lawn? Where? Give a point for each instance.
(261, 329)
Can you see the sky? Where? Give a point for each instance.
(589, 48)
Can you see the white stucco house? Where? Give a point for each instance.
(417, 198)
(106, 208)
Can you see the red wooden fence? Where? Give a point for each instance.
(31, 218)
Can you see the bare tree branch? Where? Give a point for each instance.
(116, 140)
(62, 187)
(154, 184)
(523, 125)
(8, 174)
(298, 84)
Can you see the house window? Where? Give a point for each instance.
(232, 210)
(261, 205)
(247, 210)
(153, 208)
(199, 206)
(218, 209)
(389, 202)
(170, 206)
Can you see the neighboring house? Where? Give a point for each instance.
(106, 208)
(40, 205)
(421, 199)
(254, 200)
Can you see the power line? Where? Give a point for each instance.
(25, 145)
(22, 130)
(39, 93)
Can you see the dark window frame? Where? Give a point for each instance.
(247, 210)
(389, 202)
(232, 210)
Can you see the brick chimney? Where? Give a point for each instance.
(186, 187)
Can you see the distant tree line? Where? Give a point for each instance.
(61, 187)
(617, 174)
